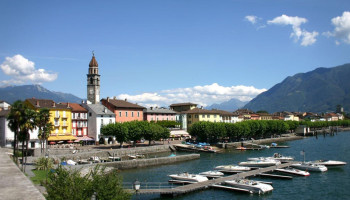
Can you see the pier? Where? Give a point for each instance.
(207, 184)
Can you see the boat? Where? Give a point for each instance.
(329, 163)
(94, 159)
(310, 167)
(264, 146)
(293, 171)
(71, 162)
(114, 158)
(260, 163)
(241, 148)
(252, 186)
(212, 174)
(232, 168)
(276, 156)
(188, 177)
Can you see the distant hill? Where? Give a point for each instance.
(320, 90)
(231, 105)
(11, 94)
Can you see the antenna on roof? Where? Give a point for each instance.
(93, 53)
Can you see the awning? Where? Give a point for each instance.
(63, 137)
(179, 133)
(84, 138)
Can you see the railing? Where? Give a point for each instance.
(150, 185)
(56, 124)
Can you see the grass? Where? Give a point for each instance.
(40, 175)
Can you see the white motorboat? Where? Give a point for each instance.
(94, 159)
(232, 168)
(71, 162)
(260, 163)
(293, 171)
(188, 177)
(276, 156)
(329, 163)
(310, 167)
(252, 186)
(212, 174)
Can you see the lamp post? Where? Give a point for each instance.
(136, 185)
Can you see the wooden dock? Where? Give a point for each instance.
(206, 184)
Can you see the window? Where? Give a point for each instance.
(110, 121)
(73, 116)
(101, 122)
(32, 144)
(120, 114)
(208, 116)
(64, 113)
(189, 122)
(73, 124)
(56, 130)
(126, 114)
(138, 114)
(89, 114)
(203, 116)
(151, 118)
(214, 116)
(132, 114)
(57, 113)
(196, 116)
(189, 116)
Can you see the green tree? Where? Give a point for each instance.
(45, 127)
(118, 130)
(135, 132)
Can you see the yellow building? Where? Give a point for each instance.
(180, 107)
(60, 117)
(198, 115)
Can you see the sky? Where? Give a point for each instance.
(158, 52)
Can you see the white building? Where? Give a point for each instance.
(7, 136)
(98, 115)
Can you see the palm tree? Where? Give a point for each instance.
(28, 124)
(14, 123)
(44, 126)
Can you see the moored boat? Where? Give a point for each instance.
(232, 168)
(252, 186)
(329, 163)
(212, 174)
(260, 163)
(276, 156)
(310, 167)
(293, 171)
(188, 177)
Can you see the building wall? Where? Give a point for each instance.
(127, 115)
(79, 124)
(62, 121)
(192, 118)
(159, 117)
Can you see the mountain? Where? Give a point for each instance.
(231, 105)
(320, 90)
(11, 94)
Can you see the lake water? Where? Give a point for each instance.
(333, 184)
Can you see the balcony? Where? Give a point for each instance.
(57, 116)
(56, 124)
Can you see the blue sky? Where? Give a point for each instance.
(158, 52)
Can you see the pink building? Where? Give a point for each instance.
(159, 114)
(124, 111)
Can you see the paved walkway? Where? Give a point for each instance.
(13, 183)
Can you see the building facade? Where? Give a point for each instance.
(60, 117)
(199, 114)
(79, 120)
(159, 114)
(124, 111)
(98, 116)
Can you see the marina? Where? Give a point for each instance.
(333, 179)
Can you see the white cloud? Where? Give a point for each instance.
(307, 38)
(342, 28)
(23, 70)
(251, 18)
(202, 95)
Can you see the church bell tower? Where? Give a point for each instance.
(93, 82)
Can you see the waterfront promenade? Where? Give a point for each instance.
(13, 183)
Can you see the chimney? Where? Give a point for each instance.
(68, 105)
(105, 110)
(126, 99)
(37, 103)
(53, 104)
(107, 99)
(151, 108)
(114, 97)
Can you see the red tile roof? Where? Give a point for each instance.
(183, 104)
(46, 103)
(122, 103)
(201, 111)
(93, 62)
(76, 107)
